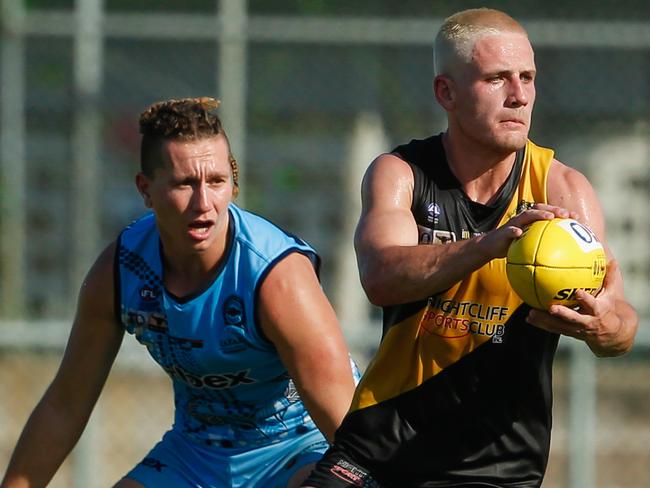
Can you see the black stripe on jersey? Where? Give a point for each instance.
(460, 427)
(434, 183)
(395, 314)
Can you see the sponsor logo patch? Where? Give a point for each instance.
(353, 475)
(212, 381)
(433, 236)
(452, 319)
(346, 475)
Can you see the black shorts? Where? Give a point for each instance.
(336, 470)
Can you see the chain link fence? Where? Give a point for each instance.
(318, 89)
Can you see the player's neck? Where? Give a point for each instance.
(481, 170)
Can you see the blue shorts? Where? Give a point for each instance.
(176, 462)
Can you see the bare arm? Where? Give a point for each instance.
(58, 420)
(607, 323)
(394, 269)
(297, 317)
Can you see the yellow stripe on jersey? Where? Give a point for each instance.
(454, 323)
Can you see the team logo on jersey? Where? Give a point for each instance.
(433, 212)
(147, 293)
(149, 296)
(234, 312)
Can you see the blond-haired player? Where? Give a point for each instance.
(459, 393)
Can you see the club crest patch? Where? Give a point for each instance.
(233, 311)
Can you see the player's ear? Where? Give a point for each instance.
(443, 89)
(142, 183)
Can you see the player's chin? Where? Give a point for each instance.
(201, 245)
(512, 140)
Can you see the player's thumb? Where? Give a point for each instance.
(514, 231)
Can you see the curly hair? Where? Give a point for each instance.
(187, 119)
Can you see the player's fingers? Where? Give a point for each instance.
(530, 216)
(561, 320)
(587, 302)
(566, 314)
(557, 211)
(552, 325)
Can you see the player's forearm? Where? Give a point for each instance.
(328, 406)
(48, 437)
(403, 274)
(326, 385)
(619, 341)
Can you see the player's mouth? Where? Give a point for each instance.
(514, 122)
(199, 230)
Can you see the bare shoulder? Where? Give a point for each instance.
(388, 180)
(569, 188)
(295, 266)
(391, 162)
(389, 165)
(562, 176)
(289, 293)
(98, 288)
(293, 273)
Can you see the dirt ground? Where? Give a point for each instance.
(136, 408)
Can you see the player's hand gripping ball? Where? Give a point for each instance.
(552, 260)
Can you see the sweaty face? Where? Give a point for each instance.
(190, 193)
(496, 92)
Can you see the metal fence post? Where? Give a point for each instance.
(12, 160)
(86, 138)
(232, 79)
(85, 176)
(582, 416)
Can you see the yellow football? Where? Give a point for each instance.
(552, 260)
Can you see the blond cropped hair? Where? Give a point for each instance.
(458, 34)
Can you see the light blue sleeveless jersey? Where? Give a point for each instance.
(230, 387)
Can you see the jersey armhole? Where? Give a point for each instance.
(313, 258)
(416, 198)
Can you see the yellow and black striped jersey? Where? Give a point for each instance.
(460, 388)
